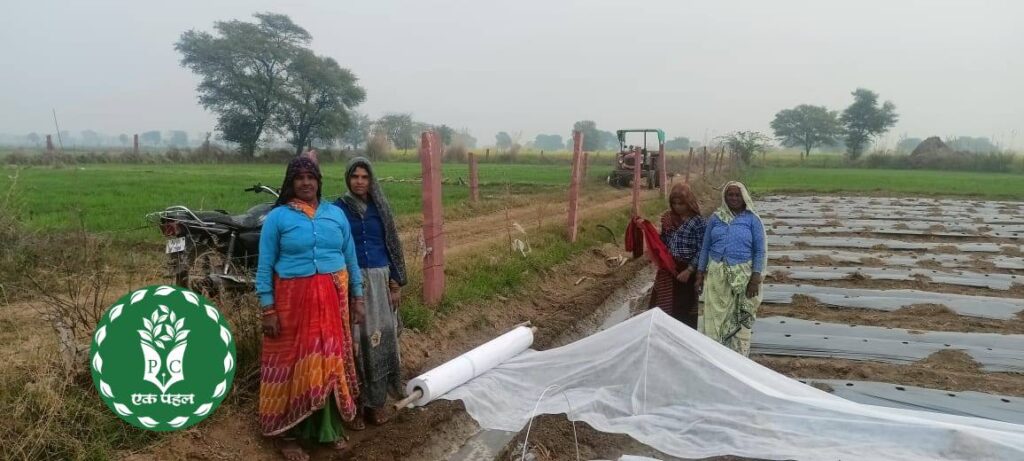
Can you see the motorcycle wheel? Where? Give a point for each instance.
(202, 261)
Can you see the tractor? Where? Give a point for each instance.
(627, 158)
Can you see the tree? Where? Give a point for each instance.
(446, 133)
(242, 72)
(124, 139)
(607, 140)
(807, 127)
(464, 138)
(678, 143)
(592, 139)
(548, 142)
(316, 99)
(865, 119)
(177, 138)
(33, 138)
(90, 138)
(358, 131)
(746, 144)
(150, 138)
(399, 129)
(503, 140)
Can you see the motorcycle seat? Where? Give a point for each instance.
(220, 218)
(251, 219)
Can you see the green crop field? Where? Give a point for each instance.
(115, 198)
(899, 182)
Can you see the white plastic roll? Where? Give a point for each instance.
(465, 367)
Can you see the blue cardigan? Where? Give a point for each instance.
(735, 243)
(368, 234)
(292, 245)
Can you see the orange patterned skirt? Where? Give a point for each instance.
(311, 357)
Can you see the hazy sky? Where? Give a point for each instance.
(693, 68)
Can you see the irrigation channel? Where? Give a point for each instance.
(488, 444)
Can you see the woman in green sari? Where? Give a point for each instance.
(732, 259)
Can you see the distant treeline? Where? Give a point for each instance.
(216, 155)
(90, 139)
(994, 162)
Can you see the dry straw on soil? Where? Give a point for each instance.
(55, 287)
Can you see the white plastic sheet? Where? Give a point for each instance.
(864, 242)
(961, 278)
(465, 367)
(995, 352)
(991, 307)
(967, 403)
(679, 392)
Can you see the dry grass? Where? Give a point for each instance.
(50, 416)
(71, 286)
(242, 312)
(50, 408)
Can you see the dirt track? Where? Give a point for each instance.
(466, 235)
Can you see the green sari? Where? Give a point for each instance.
(323, 426)
(728, 313)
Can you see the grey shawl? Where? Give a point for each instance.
(357, 206)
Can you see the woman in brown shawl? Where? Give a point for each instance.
(666, 293)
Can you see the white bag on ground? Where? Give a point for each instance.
(679, 392)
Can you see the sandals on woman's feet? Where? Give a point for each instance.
(376, 416)
(292, 451)
(356, 424)
(341, 446)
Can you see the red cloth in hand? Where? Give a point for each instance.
(657, 251)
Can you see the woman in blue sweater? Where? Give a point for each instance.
(732, 259)
(306, 273)
(380, 256)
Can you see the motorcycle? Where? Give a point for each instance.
(213, 252)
